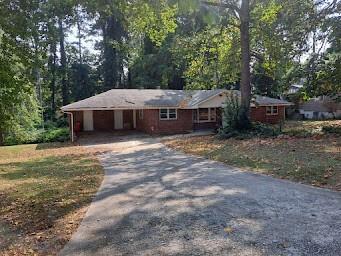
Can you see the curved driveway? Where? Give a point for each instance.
(156, 201)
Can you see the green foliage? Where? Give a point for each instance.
(259, 130)
(211, 57)
(234, 122)
(280, 32)
(332, 129)
(24, 136)
(18, 106)
(299, 133)
(169, 43)
(231, 114)
(155, 19)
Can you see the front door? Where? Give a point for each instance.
(118, 117)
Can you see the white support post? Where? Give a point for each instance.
(134, 118)
(71, 122)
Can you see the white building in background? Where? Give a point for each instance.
(322, 107)
(294, 88)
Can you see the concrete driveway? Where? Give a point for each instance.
(155, 201)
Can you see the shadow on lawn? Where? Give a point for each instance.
(55, 145)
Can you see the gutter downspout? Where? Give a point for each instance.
(71, 118)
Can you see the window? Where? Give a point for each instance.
(213, 114)
(271, 110)
(168, 114)
(172, 113)
(141, 114)
(203, 115)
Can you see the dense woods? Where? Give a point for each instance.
(56, 52)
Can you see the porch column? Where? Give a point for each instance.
(134, 118)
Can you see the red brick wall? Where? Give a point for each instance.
(128, 120)
(152, 124)
(148, 121)
(206, 125)
(78, 117)
(259, 114)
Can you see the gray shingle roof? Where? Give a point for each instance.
(321, 105)
(264, 101)
(150, 98)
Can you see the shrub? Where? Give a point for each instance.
(236, 125)
(234, 118)
(300, 133)
(62, 122)
(265, 130)
(332, 129)
(257, 130)
(38, 136)
(54, 135)
(50, 125)
(59, 123)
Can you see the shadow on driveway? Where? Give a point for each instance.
(155, 201)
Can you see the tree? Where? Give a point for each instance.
(323, 68)
(242, 13)
(18, 107)
(210, 57)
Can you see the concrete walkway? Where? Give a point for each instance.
(155, 201)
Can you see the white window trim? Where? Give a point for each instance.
(209, 116)
(273, 113)
(168, 118)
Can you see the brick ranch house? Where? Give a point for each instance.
(163, 111)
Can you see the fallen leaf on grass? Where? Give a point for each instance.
(228, 230)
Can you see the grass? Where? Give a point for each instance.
(309, 128)
(314, 160)
(44, 192)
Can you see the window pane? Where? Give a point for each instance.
(268, 110)
(203, 114)
(163, 116)
(163, 113)
(172, 113)
(195, 115)
(275, 110)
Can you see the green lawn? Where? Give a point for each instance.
(314, 160)
(44, 192)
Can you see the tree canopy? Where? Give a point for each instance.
(48, 60)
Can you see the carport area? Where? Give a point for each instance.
(156, 201)
(105, 120)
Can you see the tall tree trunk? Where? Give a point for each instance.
(245, 81)
(37, 77)
(113, 33)
(1, 139)
(109, 52)
(79, 31)
(52, 68)
(65, 93)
